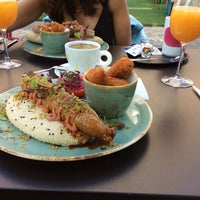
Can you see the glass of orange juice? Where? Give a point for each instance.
(8, 14)
(185, 27)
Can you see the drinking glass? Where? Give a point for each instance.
(185, 27)
(8, 14)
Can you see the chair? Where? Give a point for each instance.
(160, 3)
(169, 7)
(9, 36)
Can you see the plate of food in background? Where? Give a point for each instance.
(33, 43)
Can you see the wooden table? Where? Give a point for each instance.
(164, 164)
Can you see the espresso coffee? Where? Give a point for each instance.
(83, 55)
(83, 46)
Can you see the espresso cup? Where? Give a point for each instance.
(83, 55)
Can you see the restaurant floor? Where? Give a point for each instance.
(154, 33)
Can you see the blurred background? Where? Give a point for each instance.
(148, 12)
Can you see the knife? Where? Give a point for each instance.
(197, 90)
(9, 45)
(176, 59)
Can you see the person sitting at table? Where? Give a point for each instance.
(108, 18)
(137, 30)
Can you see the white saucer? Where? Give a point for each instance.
(66, 67)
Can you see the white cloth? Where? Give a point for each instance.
(141, 90)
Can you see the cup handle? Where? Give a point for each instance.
(108, 56)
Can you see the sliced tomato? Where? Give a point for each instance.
(79, 93)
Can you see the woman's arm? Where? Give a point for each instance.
(28, 12)
(121, 22)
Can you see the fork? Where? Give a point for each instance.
(48, 69)
(159, 58)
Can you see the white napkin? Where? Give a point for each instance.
(135, 50)
(141, 90)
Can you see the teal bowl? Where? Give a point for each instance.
(110, 102)
(54, 42)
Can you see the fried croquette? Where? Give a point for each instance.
(53, 27)
(121, 69)
(112, 81)
(116, 75)
(96, 75)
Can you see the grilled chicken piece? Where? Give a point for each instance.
(91, 124)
